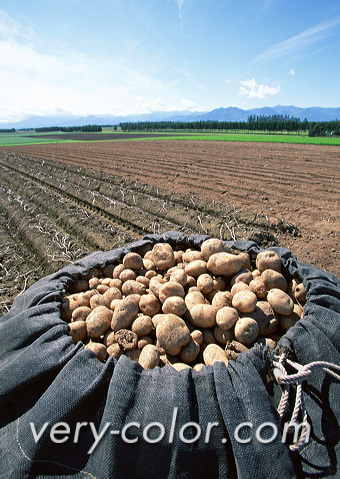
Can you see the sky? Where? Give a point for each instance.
(120, 57)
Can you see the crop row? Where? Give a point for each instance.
(145, 208)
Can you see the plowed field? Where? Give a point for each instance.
(277, 193)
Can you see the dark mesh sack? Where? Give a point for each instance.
(160, 423)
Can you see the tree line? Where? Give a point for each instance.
(273, 123)
(7, 130)
(84, 128)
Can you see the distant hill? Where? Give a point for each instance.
(218, 114)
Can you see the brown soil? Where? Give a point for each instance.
(104, 136)
(299, 184)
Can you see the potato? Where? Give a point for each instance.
(244, 301)
(126, 339)
(197, 336)
(149, 304)
(143, 280)
(98, 349)
(288, 321)
(189, 352)
(198, 367)
(142, 325)
(212, 246)
(123, 315)
(178, 256)
(224, 264)
(102, 288)
(93, 283)
(113, 293)
(116, 283)
(114, 303)
(114, 350)
(88, 295)
(280, 302)
(109, 338)
(98, 321)
(150, 274)
(163, 256)
(68, 305)
(243, 276)
(148, 264)
(81, 313)
(157, 318)
(191, 255)
(226, 317)
(255, 273)
(77, 331)
(156, 282)
(170, 289)
(245, 257)
(191, 282)
(133, 298)
(180, 366)
(265, 318)
(143, 341)
(219, 284)
(205, 283)
(99, 300)
(179, 276)
(194, 298)
(133, 261)
(273, 279)
(221, 299)
(233, 349)
(105, 281)
(127, 274)
(223, 336)
(246, 330)
(149, 357)
(117, 270)
(203, 315)
(196, 268)
(237, 287)
(258, 287)
(133, 287)
(268, 260)
(214, 353)
(300, 293)
(208, 336)
(172, 334)
(174, 305)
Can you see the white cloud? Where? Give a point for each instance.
(292, 72)
(10, 27)
(251, 89)
(180, 4)
(227, 81)
(298, 42)
(35, 82)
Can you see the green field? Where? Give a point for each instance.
(254, 137)
(24, 138)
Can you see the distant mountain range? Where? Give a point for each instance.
(219, 114)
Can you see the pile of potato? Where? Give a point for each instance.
(183, 308)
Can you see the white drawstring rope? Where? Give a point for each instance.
(286, 381)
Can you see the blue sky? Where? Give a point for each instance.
(136, 56)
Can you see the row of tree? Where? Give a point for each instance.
(7, 130)
(85, 128)
(273, 123)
